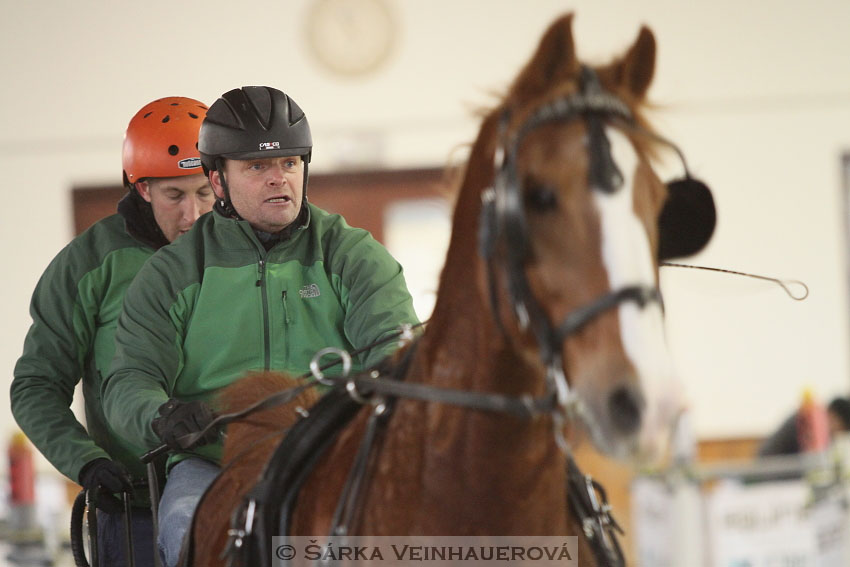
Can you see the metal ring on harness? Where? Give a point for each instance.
(317, 372)
(376, 401)
(351, 388)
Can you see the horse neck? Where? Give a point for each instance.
(467, 471)
(464, 346)
(483, 472)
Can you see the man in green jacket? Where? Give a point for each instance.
(262, 283)
(75, 309)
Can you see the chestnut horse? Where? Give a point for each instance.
(548, 302)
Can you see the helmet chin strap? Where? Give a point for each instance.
(306, 163)
(224, 203)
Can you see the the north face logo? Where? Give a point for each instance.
(311, 290)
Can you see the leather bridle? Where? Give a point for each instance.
(503, 225)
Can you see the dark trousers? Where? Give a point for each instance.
(111, 538)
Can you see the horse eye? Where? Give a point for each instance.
(540, 198)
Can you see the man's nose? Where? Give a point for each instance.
(276, 173)
(191, 209)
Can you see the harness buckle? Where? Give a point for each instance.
(601, 511)
(236, 539)
(236, 536)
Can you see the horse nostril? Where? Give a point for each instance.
(625, 406)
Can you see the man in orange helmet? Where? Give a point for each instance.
(75, 309)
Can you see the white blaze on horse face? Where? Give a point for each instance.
(628, 259)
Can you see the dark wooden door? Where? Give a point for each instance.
(361, 197)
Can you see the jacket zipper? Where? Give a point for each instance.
(261, 282)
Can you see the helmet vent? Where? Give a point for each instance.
(191, 115)
(224, 115)
(260, 99)
(173, 150)
(166, 119)
(147, 114)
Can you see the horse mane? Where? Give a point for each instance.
(241, 434)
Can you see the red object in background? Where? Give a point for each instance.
(21, 471)
(812, 425)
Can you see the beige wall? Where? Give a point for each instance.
(756, 92)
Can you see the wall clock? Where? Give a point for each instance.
(351, 37)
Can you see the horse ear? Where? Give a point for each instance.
(554, 61)
(635, 70)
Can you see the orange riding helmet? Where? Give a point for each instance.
(162, 139)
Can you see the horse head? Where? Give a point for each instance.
(572, 223)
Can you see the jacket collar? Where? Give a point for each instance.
(264, 239)
(139, 221)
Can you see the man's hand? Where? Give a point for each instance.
(103, 478)
(179, 419)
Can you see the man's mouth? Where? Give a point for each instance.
(281, 199)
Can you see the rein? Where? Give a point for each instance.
(285, 396)
(586, 499)
(363, 388)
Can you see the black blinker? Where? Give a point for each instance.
(687, 219)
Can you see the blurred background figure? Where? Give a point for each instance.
(810, 428)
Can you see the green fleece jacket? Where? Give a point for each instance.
(215, 304)
(75, 310)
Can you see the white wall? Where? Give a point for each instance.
(756, 92)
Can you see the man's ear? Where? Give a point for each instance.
(144, 189)
(215, 183)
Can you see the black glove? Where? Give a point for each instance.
(103, 478)
(178, 419)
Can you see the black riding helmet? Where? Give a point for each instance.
(253, 122)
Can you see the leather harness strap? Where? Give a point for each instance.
(267, 509)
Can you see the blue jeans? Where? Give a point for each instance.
(112, 537)
(187, 482)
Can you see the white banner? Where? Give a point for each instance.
(760, 525)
